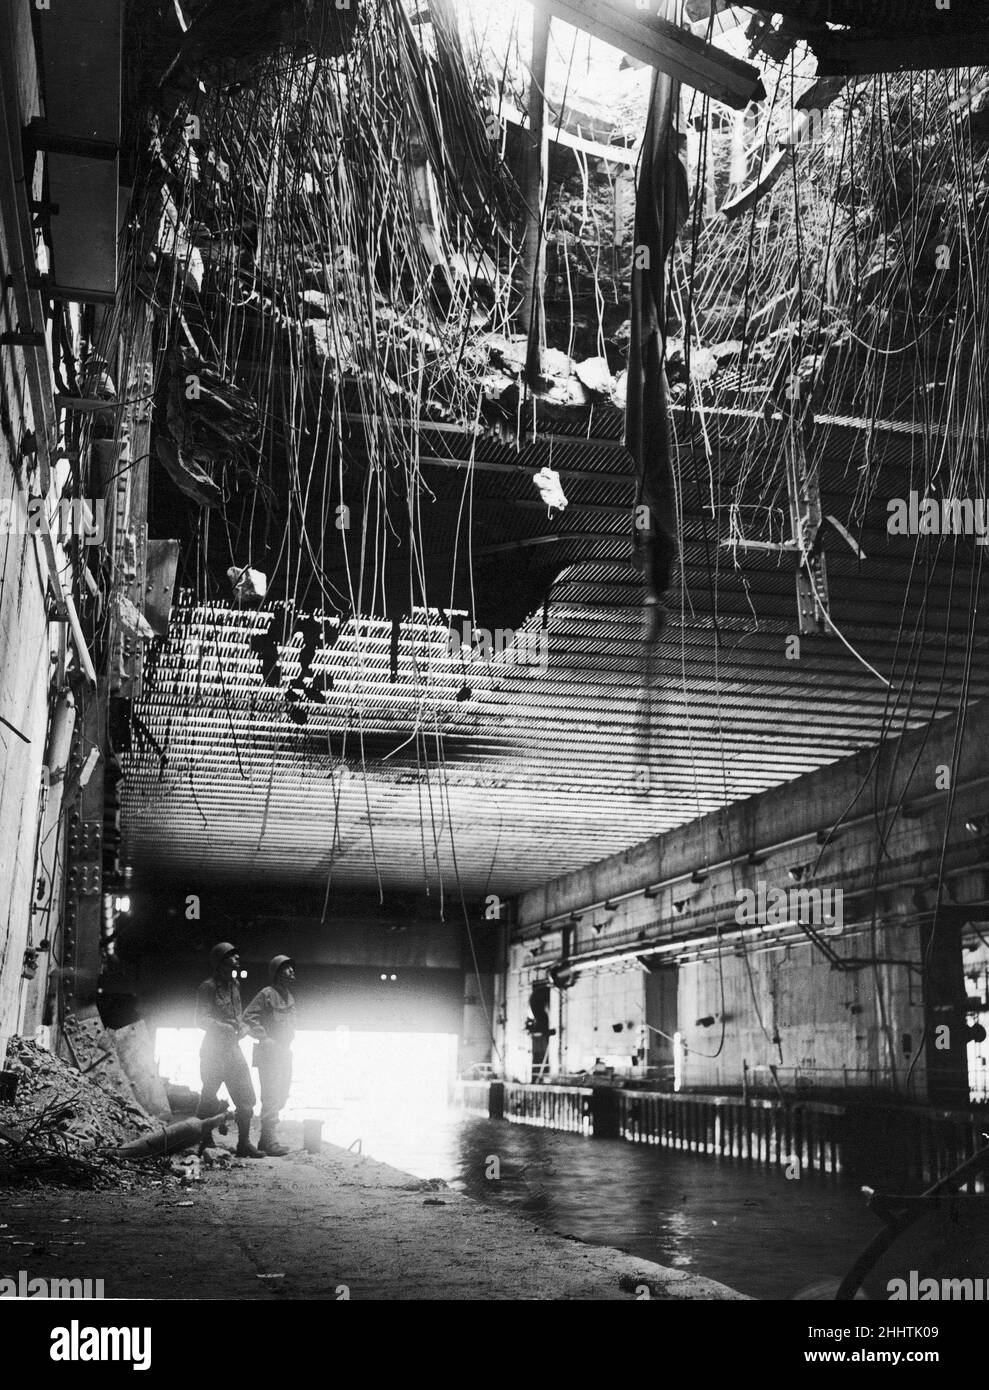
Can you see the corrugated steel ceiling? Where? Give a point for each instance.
(535, 773)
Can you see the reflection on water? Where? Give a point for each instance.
(744, 1226)
(747, 1227)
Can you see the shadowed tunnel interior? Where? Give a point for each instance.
(493, 654)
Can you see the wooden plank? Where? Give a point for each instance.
(819, 97)
(726, 18)
(667, 47)
(614, 154)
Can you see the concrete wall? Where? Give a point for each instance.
(25, 654)
(831, 1031)
(516, 1047)
(850, 1011)
(583, 1017)
(478, 1019)
(24, 672)
(594, 1009)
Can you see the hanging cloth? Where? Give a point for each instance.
(661, 207)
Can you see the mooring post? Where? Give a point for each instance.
(605, 1113)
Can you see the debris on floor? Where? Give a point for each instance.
(135, 1050)
(63, 1126)
(218, 1157)
(169, 1139)
(90, 1046)
(188, 1168)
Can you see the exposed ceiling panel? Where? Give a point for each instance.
(493, 775)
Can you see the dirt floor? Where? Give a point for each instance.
(325, 1226)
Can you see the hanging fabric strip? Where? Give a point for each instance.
(660, 210)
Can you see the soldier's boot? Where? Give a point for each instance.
(245, 1149)
(268, 1143)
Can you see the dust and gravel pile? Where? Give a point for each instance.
(64, 1127)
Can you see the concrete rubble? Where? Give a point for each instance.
(65, 1123)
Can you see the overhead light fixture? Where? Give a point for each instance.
(977, 825)
(797, 871)
(698, 877)
(122, 904)
(598, 928)
(755, 859)
(679, 905)
(708, 1021)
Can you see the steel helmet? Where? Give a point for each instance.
(219, 953)
(275, 964)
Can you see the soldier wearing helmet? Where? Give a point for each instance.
(270, 1017)
(221, 1062)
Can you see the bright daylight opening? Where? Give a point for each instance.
(388, 1090)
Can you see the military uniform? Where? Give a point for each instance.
(270, 1017)
(221, 1063)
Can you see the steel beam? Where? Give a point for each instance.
(660, 44)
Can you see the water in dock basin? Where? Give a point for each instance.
(742, 1224)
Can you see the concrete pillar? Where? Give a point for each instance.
(605, 1113)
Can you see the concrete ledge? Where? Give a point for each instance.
(319, 1227)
